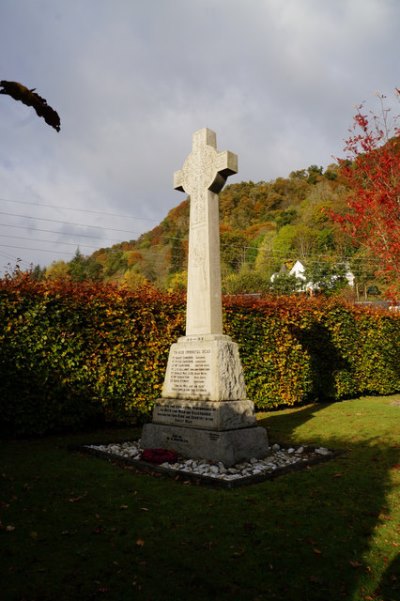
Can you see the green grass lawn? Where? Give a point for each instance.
(76, 527)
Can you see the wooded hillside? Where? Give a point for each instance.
(265, 228)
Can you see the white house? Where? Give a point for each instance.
(298, 271)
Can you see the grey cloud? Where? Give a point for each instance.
(132, 80)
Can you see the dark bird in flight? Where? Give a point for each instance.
(31, 98)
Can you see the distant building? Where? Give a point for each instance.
(298, 271)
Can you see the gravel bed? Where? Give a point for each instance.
(277, 459)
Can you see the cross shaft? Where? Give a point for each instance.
(203, 176)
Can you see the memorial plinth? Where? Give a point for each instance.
(204, 411)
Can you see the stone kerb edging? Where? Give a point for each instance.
(310, 456)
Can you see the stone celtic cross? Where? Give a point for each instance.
(203, 176)
(204, 411)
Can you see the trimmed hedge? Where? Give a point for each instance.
(73, 353)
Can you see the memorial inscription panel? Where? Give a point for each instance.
(207, 415)
(187, 415)
(190, 372)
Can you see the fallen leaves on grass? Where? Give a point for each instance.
(78, 498)
(98, 530)
(237, 553)
(355, 564)
(140, 542)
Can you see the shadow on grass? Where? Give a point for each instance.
(89, 530)
(351, 504)
(389, 587)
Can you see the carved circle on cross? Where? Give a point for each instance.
(199, 170)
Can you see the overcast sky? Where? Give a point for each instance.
(133, 79)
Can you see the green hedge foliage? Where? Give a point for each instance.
(74, 353)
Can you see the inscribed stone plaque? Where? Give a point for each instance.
(205, 368)
(207, 415)
(199, 416)
(191, 372)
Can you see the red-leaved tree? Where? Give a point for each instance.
(371, 170)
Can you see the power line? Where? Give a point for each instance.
(93, 212)
(268, 255)
(12, 257)
(71, 234)
(271, 254)
(68, 223)
(49, 241)
(58, 252)
(227, 246)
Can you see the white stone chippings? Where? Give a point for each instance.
(322, 451)
(275, 458)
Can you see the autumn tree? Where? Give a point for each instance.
(246, 282)
(371, 170)
(363, 266)
(233, 248)
(326, 277)
(83, 268)
(285, 283)
(134, 280)
(116, 263)
(177, 282)
(177, 253)
(58, 270)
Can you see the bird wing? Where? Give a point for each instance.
(31, 98)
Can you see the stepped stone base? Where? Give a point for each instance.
(204, 412)
(229, 446)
